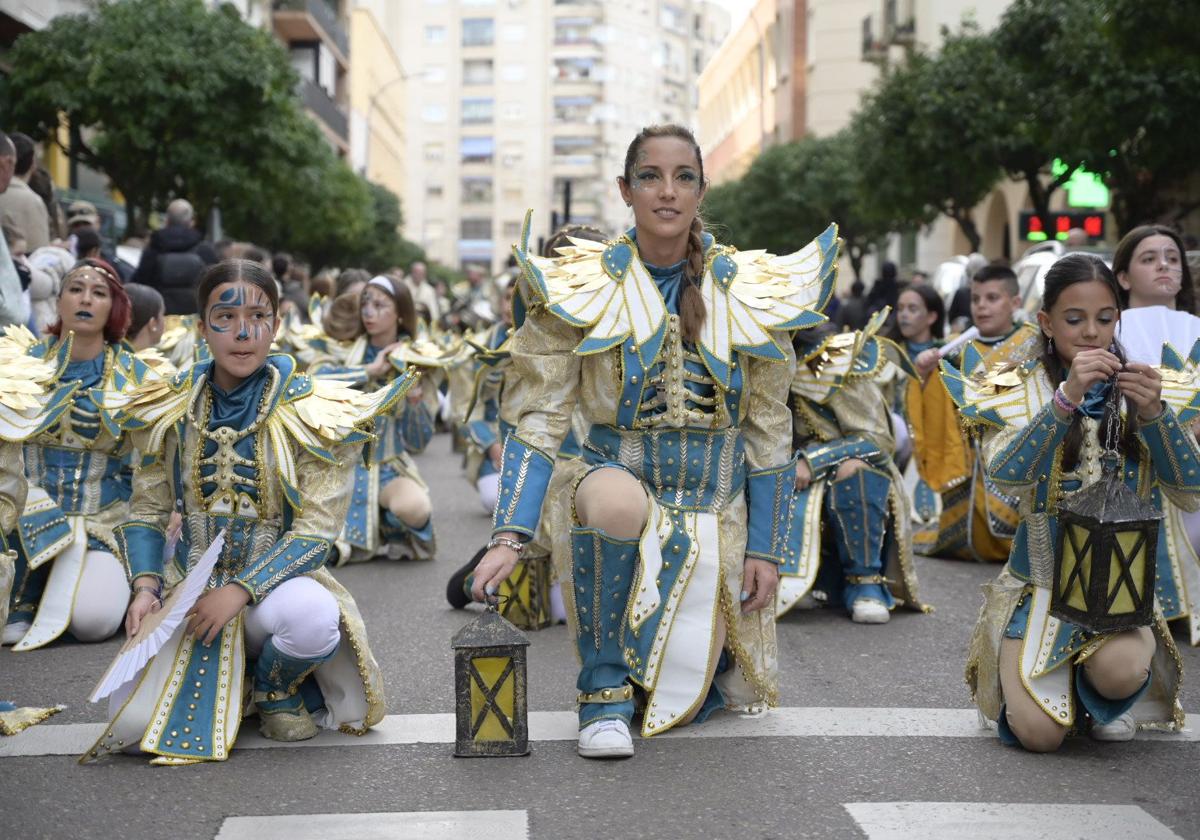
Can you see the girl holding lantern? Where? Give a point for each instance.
(1049, 424)
(676, 351)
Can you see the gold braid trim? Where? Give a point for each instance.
(766, 692)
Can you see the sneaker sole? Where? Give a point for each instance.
(605, 752)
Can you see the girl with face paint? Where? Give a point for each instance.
(670, 519)
(245, 444)
(392, 514)
(68, 574)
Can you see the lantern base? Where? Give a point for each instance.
(1100, 624)
(479, 751)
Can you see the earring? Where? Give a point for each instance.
(1050, 346)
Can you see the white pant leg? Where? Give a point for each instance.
(904, 444)
(489, 490)
(102, 598)
(300, 614)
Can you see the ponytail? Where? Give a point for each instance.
(691, 302)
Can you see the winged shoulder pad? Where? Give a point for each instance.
(751, 296)
(1181, 381)
(1004, 395)
(146, 398)
(30, 400)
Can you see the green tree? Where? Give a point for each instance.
(166, 97)
(792, 191)
(918, 145)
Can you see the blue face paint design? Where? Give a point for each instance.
(230, 299)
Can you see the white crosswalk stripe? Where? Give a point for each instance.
(790, 722)
(409, 825)
(1005, 821)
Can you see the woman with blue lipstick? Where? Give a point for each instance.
(68, 577)
(246, 445)
(669, 530)
(391, 510)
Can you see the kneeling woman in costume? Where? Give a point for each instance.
(244, 444)
(672, 514)
(68, 577)
(850, 538)
(391, 509)
(1048, 424)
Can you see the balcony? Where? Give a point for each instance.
(326, 110)
(899, 27)
(873, 52)
(311, 20)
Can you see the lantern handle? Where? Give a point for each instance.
(491, 603)
(1111, 456)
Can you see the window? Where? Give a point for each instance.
(477, 149)
(304, 61)
(433, 73)
(511, 155)
(573, 30)
(475, 229)
(512, 230)
(434, 191)
(434, 230)
(476, 190)
(435, 34)
(477, 71)
(513, 194)
(573, 108)
(433, 113)
(477, 111)
(513, 72)
(434, 152)
(575, 69)
(478, 32)
(575, 151)
(512, 111)
(673, 18)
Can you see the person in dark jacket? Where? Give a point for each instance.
(885, 291)
(175, 258)
(853, 314)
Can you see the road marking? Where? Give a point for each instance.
(790, 722)
(411, 825)
(1004, 821)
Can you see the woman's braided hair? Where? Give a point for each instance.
(691, 303)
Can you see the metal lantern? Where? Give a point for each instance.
(525, 594)
(1105, 562)
(491, 710)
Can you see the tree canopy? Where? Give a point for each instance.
(170, 98)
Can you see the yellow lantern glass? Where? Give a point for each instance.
(525, 594)
(491, 712)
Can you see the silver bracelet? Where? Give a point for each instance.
(516, 546)
(156, 591)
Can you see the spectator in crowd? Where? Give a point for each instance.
(352, 280)
(960, 306)
(919, 278)
(87, 243)
(853, 313)
(41, 183)
(423, 293)
(323, 283)
(82, 213)
(148, 319)
(1077, 238)
(175, 258)
(48, 267)
(258, 255)
(290, 276)
(885, 291)
(20, 206)
(13, 308)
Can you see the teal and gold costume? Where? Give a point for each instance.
(79, 475)
(978, 519)
(405, 430)
(925, 505)
(840, 413)
(29, 404)
(1023, 446)
(704, 427)
(271, 464)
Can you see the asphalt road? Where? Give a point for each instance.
(784, 785)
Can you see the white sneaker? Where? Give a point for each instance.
(1121, 729)
(14, 632)
(606, 739)
(867, 611)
